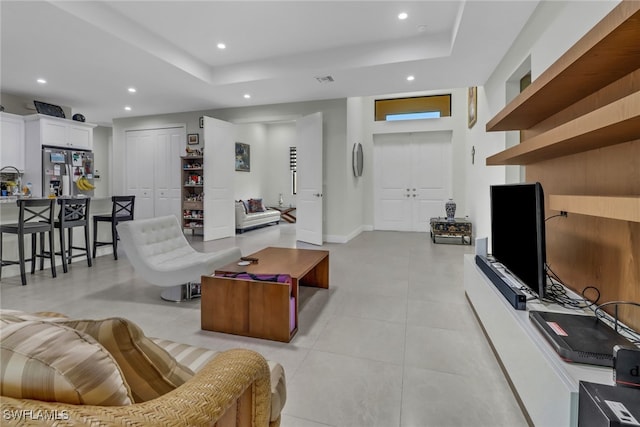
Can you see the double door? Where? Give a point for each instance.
(153, 170)
(412, 179)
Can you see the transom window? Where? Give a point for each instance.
(421, 107)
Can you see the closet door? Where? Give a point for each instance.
(153, 170)
(169, 144)
(140, 171)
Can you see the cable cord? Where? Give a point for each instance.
(601, 314)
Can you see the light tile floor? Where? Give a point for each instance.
(392, 343)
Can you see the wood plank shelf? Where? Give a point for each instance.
(581, 135)
(612, 124)
(605, 54)
(625, 208)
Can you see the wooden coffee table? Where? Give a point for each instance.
(256, 308)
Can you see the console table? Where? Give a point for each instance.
(458, 228)
(546, 386)
(285, 213)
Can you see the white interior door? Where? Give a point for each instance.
(167, 174)
(412, 179)
(153, 170)
(393, 180)
(140, 171)
(219, 213)
(309, 172)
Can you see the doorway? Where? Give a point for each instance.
(412, 179)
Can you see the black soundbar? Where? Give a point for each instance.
(515, 296)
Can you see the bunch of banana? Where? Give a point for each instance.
(84, 184)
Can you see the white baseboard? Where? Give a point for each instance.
(332, 238)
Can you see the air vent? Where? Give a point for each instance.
(324, 79)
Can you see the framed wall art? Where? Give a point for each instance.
(472, 106)
(193, 139)
(243, 157)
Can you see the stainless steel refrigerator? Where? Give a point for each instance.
(67, 172)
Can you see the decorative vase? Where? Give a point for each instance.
(450, 209)
(280, 200)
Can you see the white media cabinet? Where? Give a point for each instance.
(546, 386)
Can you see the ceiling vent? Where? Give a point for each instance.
(324, 79)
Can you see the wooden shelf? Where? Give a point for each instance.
(187, 204)
(612, 124)
(625, 208)
(190, 222)
(605, 54)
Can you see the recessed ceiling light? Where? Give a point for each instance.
(41, 81)
(132, 90)
(411, 78)
(403, 15)
(222, 46)
(127, 108)
(247, 96)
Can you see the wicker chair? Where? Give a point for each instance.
(231, 390)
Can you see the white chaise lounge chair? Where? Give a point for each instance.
(161, 254)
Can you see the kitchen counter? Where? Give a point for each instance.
(9, 214)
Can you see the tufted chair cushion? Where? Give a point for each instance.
(159, 252)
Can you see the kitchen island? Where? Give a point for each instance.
(9, 214)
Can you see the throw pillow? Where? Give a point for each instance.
(50, 362)
(13, 316)
(245, 203)
(148, 369)
(255, 205)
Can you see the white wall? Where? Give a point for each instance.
(334, 114)
(277, 177)
(553, 28)
(251, 184)
(101, 160)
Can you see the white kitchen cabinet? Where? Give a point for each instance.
(57, 132)
(12, 143)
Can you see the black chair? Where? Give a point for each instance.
(35, 217)
(74, 212)
(121, 210)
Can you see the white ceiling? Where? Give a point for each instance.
(90, 52)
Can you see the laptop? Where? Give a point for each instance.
(579, 338)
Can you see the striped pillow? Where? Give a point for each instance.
(149, 370)
(13, 316)
(190, 356)
(47, 361)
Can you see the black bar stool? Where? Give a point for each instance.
(74, 212)
(121, 210)
(35, 217)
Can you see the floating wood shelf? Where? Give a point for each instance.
(605, 54)
(625, 208)
(612, 124)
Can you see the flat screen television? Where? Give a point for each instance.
(518, 232)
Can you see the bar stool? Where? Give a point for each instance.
(35, 217)
(121, 210)
(74, 212)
